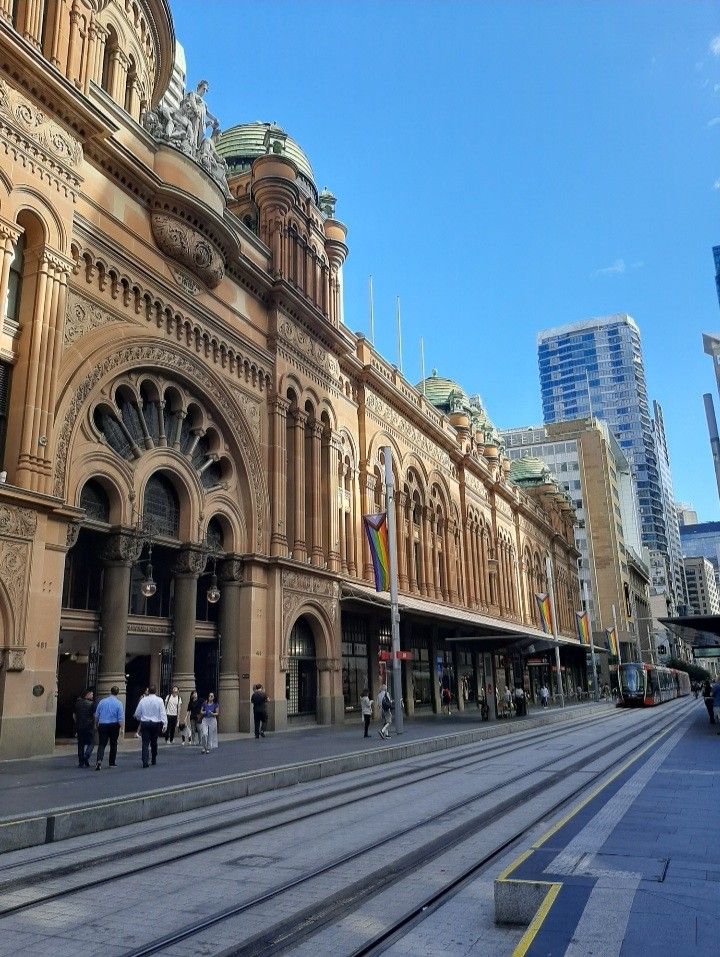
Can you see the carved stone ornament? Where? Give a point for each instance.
(190, 561)
(73, 530)
(17, 521)
(33, 123)
(82, 316)
(309, 349)
(189, 248)
(303, 589)
(421, 443)
(122, 547)
(231, 570)
(186, 282)
(12, 659)
(184, 128)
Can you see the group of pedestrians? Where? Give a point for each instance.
(385, 706)
(197, 724)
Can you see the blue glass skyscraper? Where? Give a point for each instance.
(596, 368)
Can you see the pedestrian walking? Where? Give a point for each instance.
(385, 707)
(109, 718)
(544, 696)
(193, 717)
(366, 711)
(507, 700)
(151, 714)
(173, 704)
(84, 719)
(446, 700)
(519, 701)
(208, 729)
(708, 698)
(716, 701)
(259, 700)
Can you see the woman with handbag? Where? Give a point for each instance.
(193, 718)
(208, 731)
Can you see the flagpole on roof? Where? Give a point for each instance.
(394, 610)
(399, 333)
(551, 593)
(372, 310)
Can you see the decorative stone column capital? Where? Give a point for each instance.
(190, 560)
(327, 664)
(299, 417)
(317, 429)
(279, 405)
(122, 547)
(231, 569)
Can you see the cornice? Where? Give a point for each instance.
(33, 74)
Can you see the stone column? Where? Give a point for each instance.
(29, 18)
(278, 428)
(299, 552)
(334, 503)
(121, 550)
(342, 501)
(401, 540)
(324, 701)
(6, 14)
(316, 434)
(352, 536)
(367, 488)
(230, 621)
(189, 565)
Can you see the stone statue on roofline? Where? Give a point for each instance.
(185, 126)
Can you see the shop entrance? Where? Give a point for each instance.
(207, 664)
(72, 681)
(301, 676)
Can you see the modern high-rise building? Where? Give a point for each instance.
(686, 514)
(703, 540)
(702, 586)
(584, 457)
(595, 368)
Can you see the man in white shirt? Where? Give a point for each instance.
(152, 716)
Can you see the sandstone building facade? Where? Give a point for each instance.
(190, 435)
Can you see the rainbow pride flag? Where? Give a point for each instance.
(376, 529)
(583, 626)
(611, 636)
(543, 603)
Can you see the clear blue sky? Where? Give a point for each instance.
(502, 167)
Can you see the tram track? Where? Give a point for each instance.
(16, 877)
(290, 932)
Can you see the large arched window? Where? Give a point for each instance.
(95, 501)
(161, 507)
(12, 299)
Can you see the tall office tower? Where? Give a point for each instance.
(596, 368)
(702, 586)
(686, 514)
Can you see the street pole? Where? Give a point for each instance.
(586, 606)
(617, 637)
(394, 612)
(551, 592)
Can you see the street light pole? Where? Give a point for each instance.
(586, 604)
(551, 593)
(394, 610)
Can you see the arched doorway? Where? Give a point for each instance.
(301, 677)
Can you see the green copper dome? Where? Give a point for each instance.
(241, 145)
(444, 394)
(529, 471)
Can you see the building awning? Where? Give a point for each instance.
(491, 632)
(701, 632)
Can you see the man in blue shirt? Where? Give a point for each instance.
(110, 717)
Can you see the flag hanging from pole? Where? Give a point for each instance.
(583, 626)
(611, 635)
(543, 603)
(376, 529)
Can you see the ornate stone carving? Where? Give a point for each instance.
(13, 659)
(309, 349)
(122, 547)
(302, 588)
(14, 568)
(185, 281)
(190, 561)
(183, 364)
(184, 128)
(72, 532)
(17, 521)
(231, 569)
(188, 247)
(421, 443)
(82, 316)
(252, 413)
(32, 122)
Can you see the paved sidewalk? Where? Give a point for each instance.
(638, 868)
(39, 785)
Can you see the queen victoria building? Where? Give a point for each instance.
(190, 435)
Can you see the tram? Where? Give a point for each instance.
(643, 686)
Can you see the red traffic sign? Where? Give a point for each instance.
(400, 656)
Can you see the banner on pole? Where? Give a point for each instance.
(611, 635)
(376, 529)
(583, 626)
(543, 603)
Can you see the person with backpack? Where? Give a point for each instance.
(385, 708)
